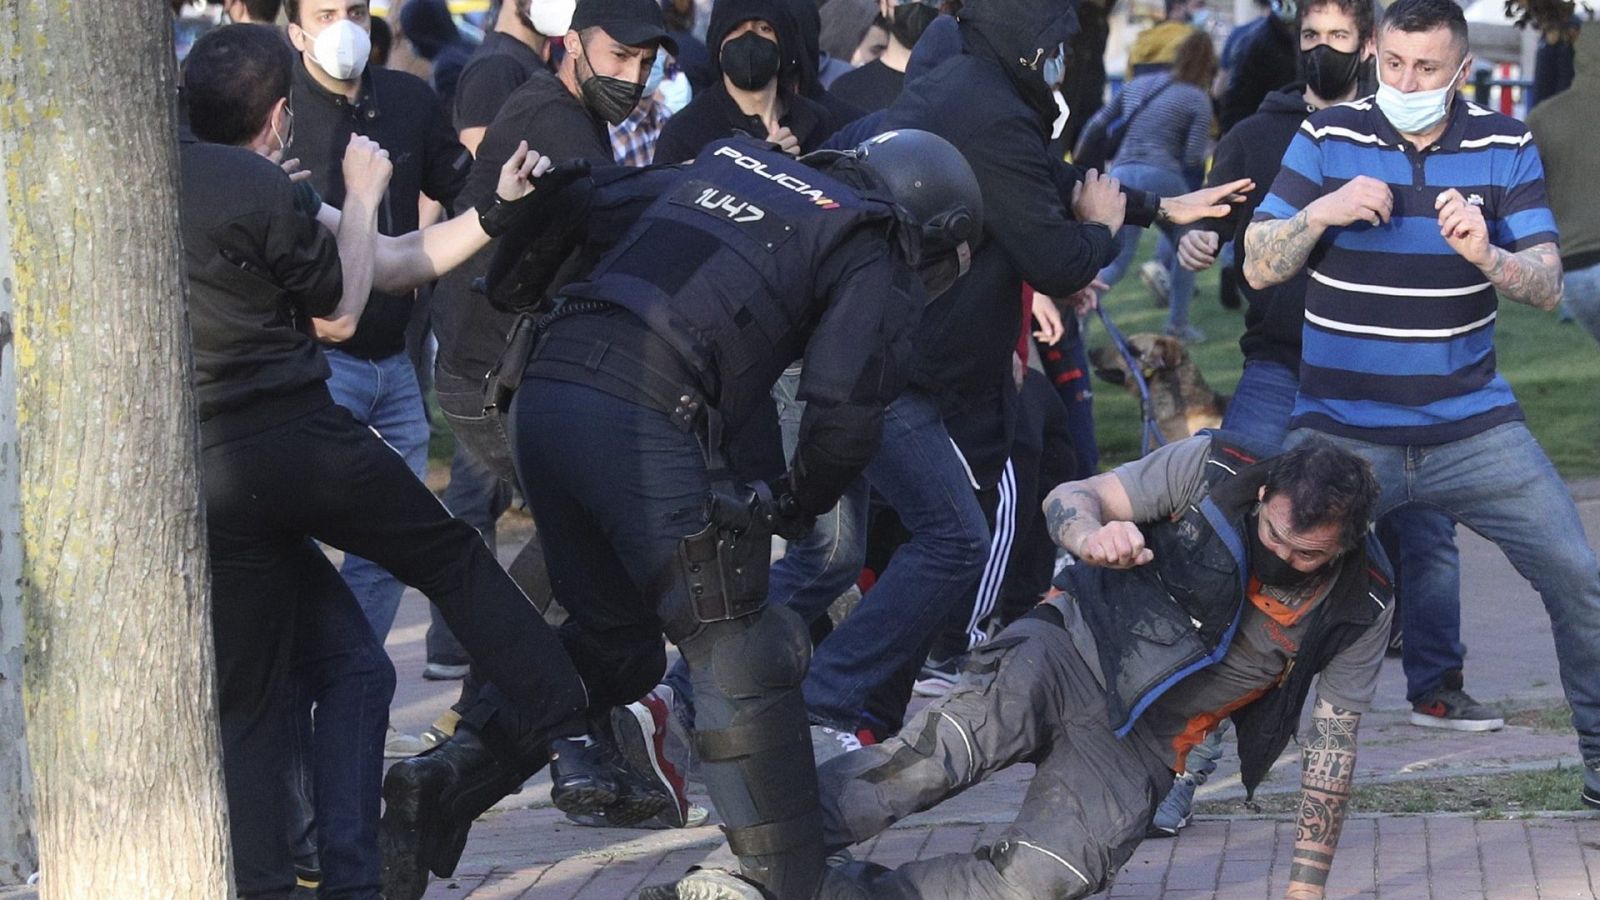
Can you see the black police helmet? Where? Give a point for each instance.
(938, 195)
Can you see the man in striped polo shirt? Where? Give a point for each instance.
(1413, 212)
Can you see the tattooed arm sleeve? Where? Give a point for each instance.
(1075, 510)
(1532, 277)
(1328, 762)
(1275, 249)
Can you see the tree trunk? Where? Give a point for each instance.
(119, 678)
(17, 856)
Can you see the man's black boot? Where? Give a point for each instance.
(430, 803)
(589, 776)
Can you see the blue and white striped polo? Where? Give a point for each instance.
(1398, 341)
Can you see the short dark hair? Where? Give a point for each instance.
(263, 11)
(1413, 16)
(1325, 486)
(232, 78)
(291, 10)
(382, 40)
(1359, 10)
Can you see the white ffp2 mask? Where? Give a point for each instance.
(342, 50)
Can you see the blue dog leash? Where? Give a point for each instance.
(1150, 438)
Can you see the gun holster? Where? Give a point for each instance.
(506, 376)
(723, 568)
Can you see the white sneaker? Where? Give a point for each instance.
(1158, 280)
(402, 746)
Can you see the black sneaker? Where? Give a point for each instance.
(1454, 708)
(593, 778)
(937, 677)
(1590, 796)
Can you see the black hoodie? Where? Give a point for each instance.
(713, 115)
(992, 104)
(1254, 149)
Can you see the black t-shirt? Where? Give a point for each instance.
(872, 87)
(402, 113)
(471, 333)
(499, 66)
(259, 269)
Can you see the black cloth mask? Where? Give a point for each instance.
(612, 99)
(750, 61)
(1272, 570)
(1329, 72)
(910, 21)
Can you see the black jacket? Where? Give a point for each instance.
(712, 115)
(997, 112)
(403, 115)
(1254, 149)
(1266, 63)
(471, 333)
(259, 269)
(739, 264)
(1157, 624)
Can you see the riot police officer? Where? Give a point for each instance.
(645, 440)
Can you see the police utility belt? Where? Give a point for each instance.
(722, 569)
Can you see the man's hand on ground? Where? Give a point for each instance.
(1206, 203)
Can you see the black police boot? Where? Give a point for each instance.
(430, 803)
(592, 778)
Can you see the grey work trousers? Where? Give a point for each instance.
(1027, 696)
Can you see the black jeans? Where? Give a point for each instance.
(276, 601)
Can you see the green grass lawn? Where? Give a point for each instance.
(1553, 367)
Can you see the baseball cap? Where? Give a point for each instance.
(632, 22)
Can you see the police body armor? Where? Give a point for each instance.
(722, 270)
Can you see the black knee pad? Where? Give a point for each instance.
(771, 655)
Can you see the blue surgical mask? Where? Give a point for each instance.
(1055, 68)
(1417, 111)
(657, 72)
(1200, 18)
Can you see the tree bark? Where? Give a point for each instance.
(18, 859)
(119, 679)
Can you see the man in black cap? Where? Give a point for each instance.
(565, 113)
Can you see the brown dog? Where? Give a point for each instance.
(1180, 400)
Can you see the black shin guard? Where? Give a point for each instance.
(755, 746)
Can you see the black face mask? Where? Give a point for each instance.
(1329, 72)
(910, 21)
(1272, 570)
(750, 61)
(612, 99)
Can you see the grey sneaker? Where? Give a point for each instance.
(401, 746)
(1590, 795)
(445, 671)
(1454, 708)
(1158, 280)
(936, 678)
(1173, 813)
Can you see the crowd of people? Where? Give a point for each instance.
(686, 277)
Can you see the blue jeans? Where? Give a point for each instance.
(1420, 542)
(383, 395)
(1582, 296)
(1165, 183)
(1500, 484)
(919, 473)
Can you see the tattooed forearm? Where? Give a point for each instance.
(1275, 250)
(1072, 512)
(1328, 764)
(1532, 277)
